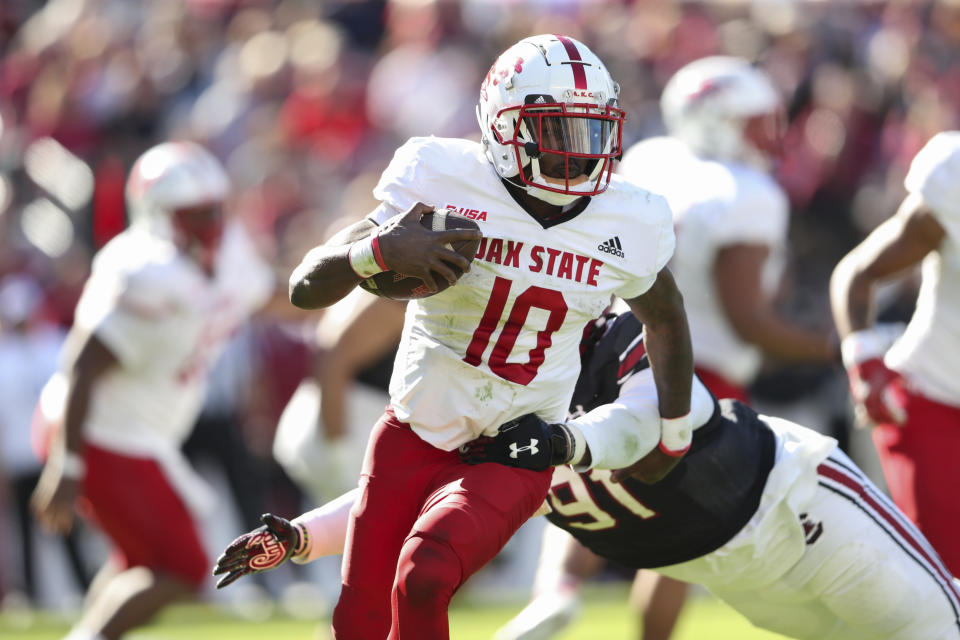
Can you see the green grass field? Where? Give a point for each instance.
(605, 616)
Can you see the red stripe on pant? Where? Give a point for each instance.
(892, 522)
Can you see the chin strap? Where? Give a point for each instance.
(551, 197)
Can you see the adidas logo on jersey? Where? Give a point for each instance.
(612, 246)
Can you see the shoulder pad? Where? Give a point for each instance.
(421, 161)
(605, 363)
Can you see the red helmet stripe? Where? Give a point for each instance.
(579, 75)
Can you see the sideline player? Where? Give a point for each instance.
(725, 124)
(161, 300)
(502, 342)
(912, 391)
(770, 516)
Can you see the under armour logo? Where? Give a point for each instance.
(532, 448)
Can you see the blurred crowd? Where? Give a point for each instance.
(305, 101)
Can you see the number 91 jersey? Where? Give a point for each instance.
(504, 341)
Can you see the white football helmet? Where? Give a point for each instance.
(549, 118)
(175, 178)
(710, 102)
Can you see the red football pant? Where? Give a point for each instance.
(919, 461)
(720, 386)
(132, 501)
(425, 522)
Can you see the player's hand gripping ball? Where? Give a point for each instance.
(397, 286)
(262, 549)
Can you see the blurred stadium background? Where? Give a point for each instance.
(305, 101)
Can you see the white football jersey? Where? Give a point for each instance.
(714, 205)
(166, 322)
(929, 349)
(504, 341)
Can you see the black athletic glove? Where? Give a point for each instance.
(527, 442)
(262, 549)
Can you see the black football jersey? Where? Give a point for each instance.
(700, 505)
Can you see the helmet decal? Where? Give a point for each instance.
(707, 88)
(576, 63)
(497, 73)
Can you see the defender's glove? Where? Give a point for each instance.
(527, 442)
(262, 549)
(871, 392)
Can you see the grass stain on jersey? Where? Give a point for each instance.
(484, 393)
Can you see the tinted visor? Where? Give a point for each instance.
(577, 134)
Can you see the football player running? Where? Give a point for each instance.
(770, 516)
(911, 390)
(504, 341)
(725, 120)
(160, 302)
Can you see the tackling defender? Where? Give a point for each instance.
(725, 123)
(770, 516)
(500, 343)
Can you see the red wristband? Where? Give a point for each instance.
(673, 454)
(377, 255)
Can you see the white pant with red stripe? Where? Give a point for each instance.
(828, 557)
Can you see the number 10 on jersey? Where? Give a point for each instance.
(533, 297)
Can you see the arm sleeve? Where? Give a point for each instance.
(326, 527)
(935, 175)
(622, 432)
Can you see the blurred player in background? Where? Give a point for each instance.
(769, 515)
(725, 120)
(538, 187)
(911, 391)
(161, 300)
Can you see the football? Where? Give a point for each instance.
(395, 286)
